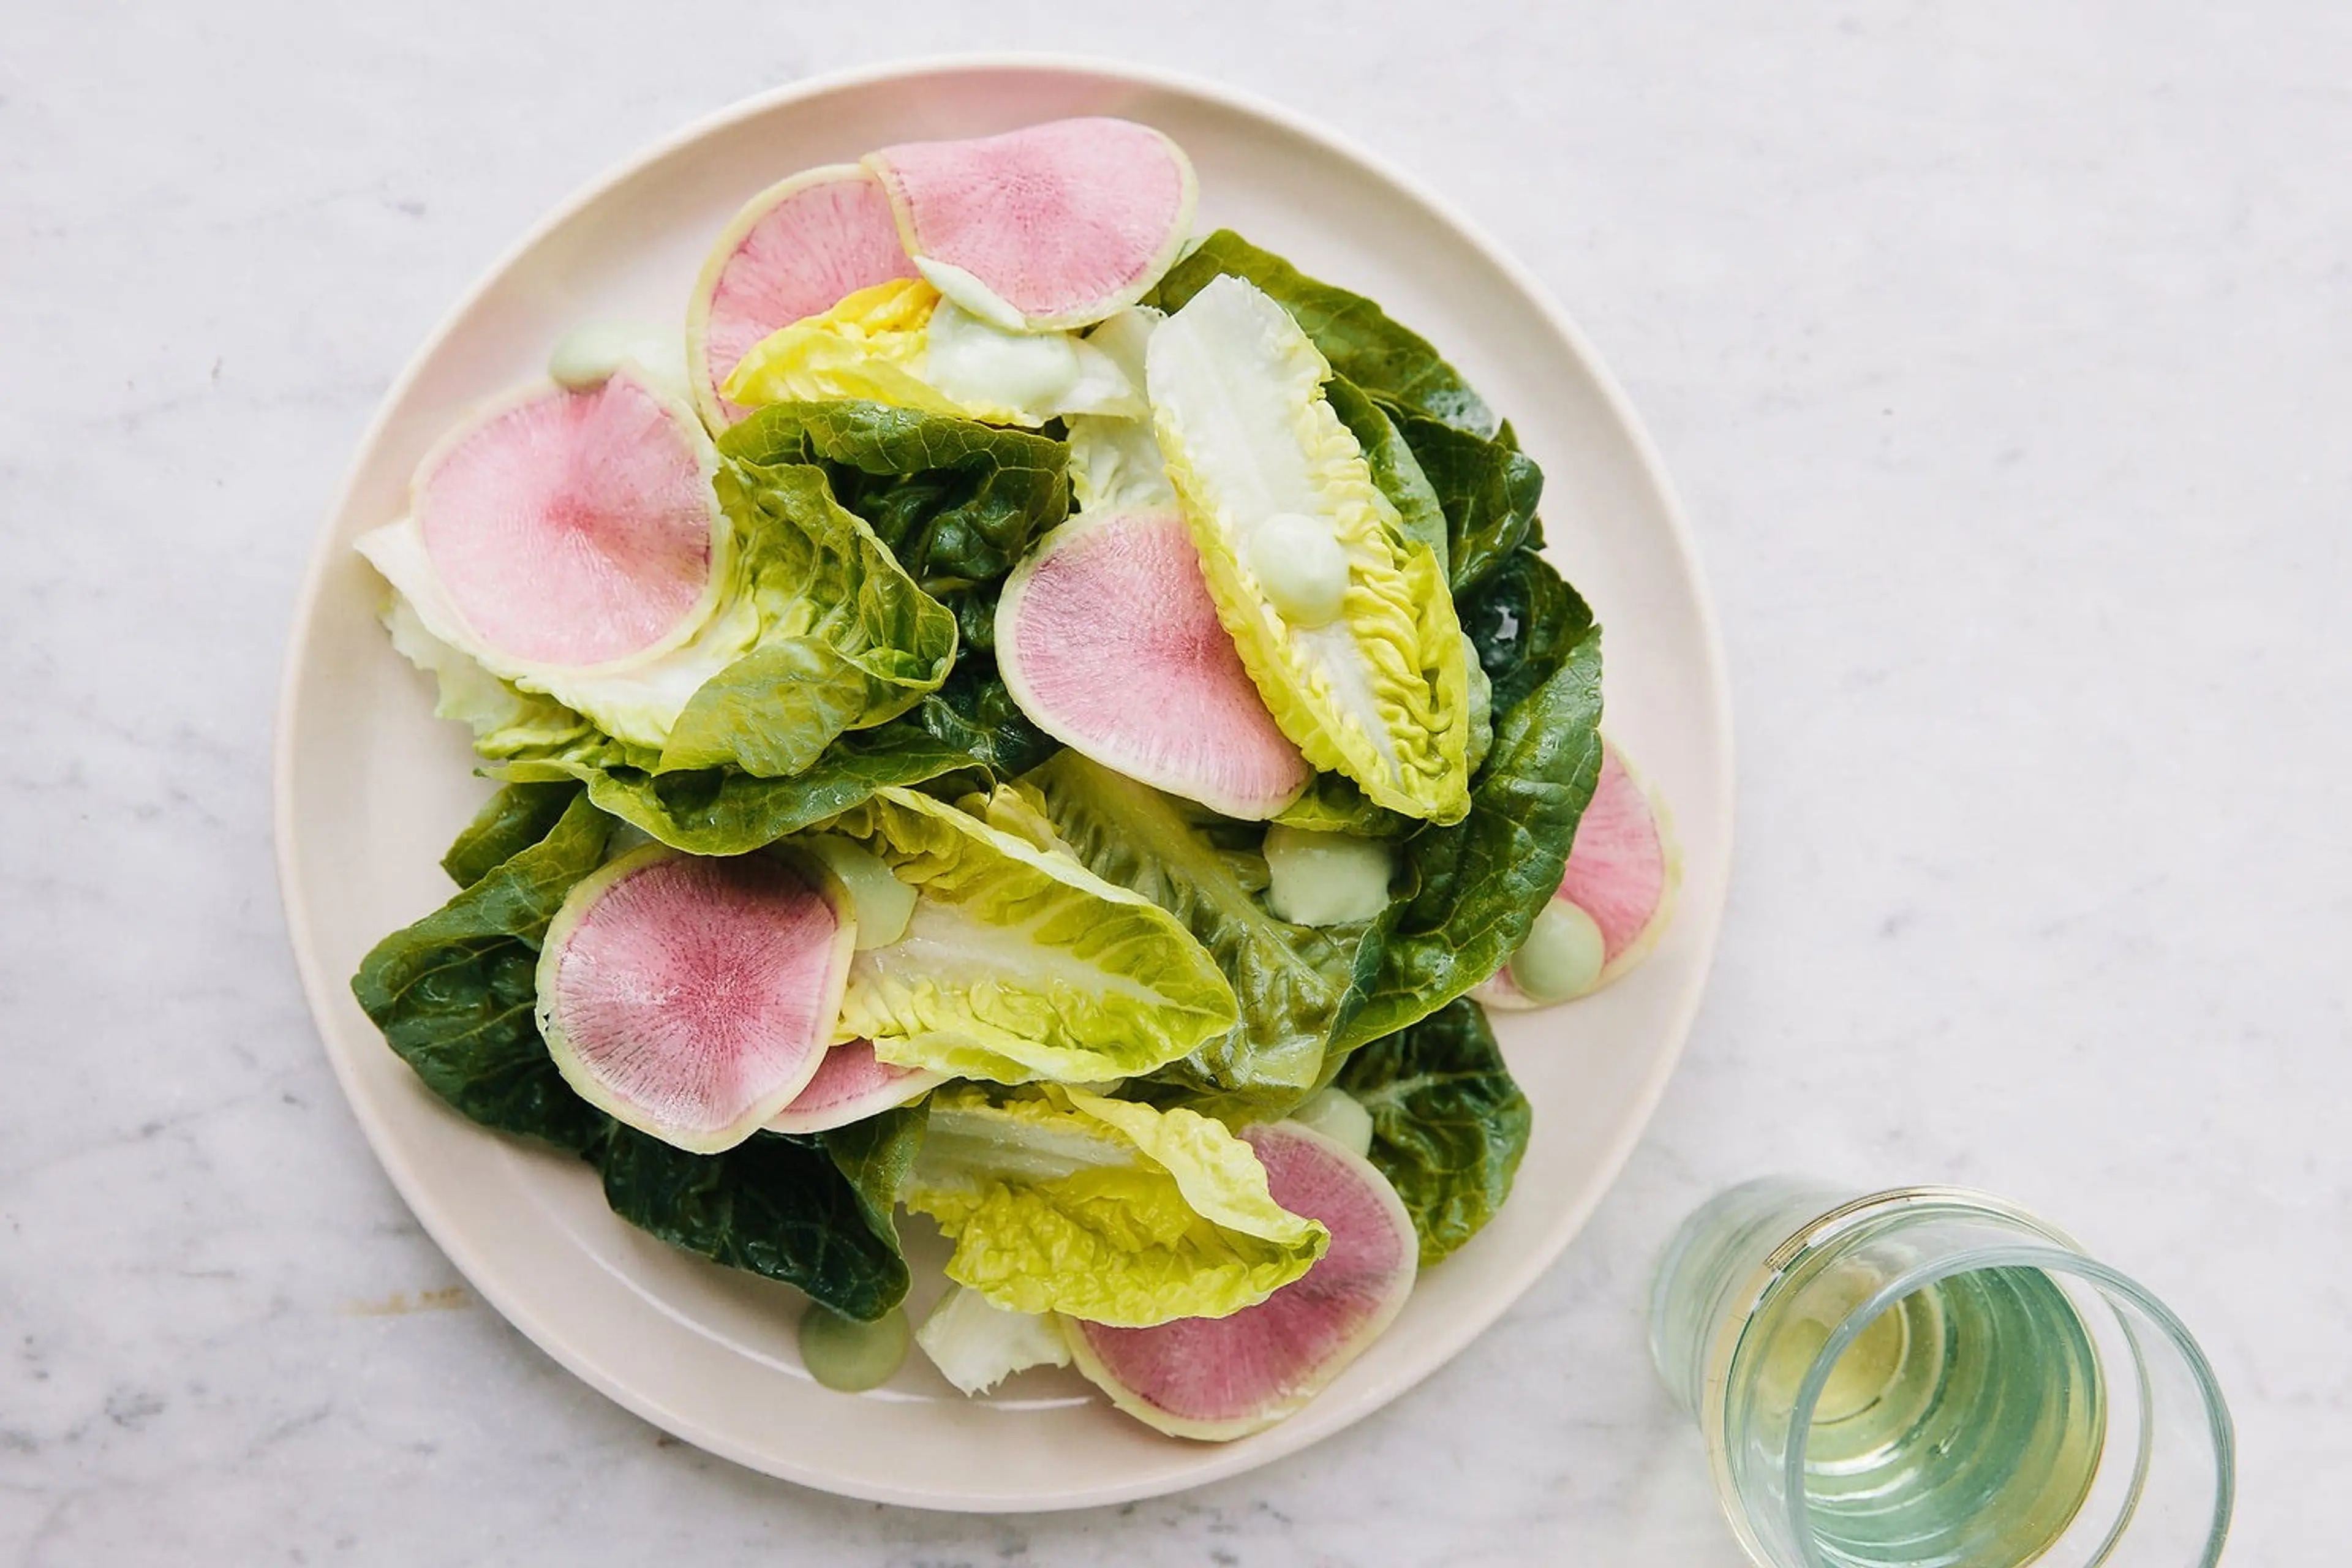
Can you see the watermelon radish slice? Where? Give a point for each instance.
(1052, 227)
(1107, 639)
(693, 997)
(1614, 901)
(850, 1085)
(564, 529)
(1217, 1378)
(797, 250)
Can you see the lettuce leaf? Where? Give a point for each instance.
(1020, 964)
(454, 993)
(954, 499)
(1103, 1209)
(505, 719)
(1381, 693)
(1449, 1124)
(847, 639)
(1288, 979)
(1357, 336)
(875, 1156)
(1487, 490)
(977, 1344)
(968, 727)
(783, 1207)
(1394, 465)
(974, 712)
(1333, 804)
(1468, 892)
(509, 823)
(868, 346)
(899, 343)
(717, 811)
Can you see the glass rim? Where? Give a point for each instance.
(2059, 1255)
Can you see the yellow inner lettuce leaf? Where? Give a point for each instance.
(870, 345)
(1104, 1210)
(899, 343)
(1379, 694)
(1019, 964)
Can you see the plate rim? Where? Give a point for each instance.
(1218, 1462)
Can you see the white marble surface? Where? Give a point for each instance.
(2000, 351)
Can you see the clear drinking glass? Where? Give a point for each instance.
(1934, 1378)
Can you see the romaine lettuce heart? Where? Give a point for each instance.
(1018, 963)
(1103, 1209)
(1255, 448)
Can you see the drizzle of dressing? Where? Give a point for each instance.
(1562, 956)
(1326, 879)
(974, 361)
(849, 1356)
(1340, 1117)
(1299, 563)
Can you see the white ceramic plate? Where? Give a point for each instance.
(369, 788)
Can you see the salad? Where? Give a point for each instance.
(1041, 720)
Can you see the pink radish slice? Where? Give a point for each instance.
(1064, 222)
(795, 250)
(1107, 639)
(851, 1085)
(1216, 1378)
(573, 528)
(1623, 871)
(693, 997)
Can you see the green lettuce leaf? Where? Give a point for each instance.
(969, 725)
(974, 712)
(776, 1206)
(455, 993)
(718, 810)
(1468, 892)
(1449, 1125)
(847, 640)
(1379, 693)
(1104, 1210)
(1526, 623)
(1287, 978)
(954, 499)
(1395, 466)
(1333, 804)
(509, 822)
(1020, 964)
(875, 1156)
(1357, 336)
(1489, 490)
